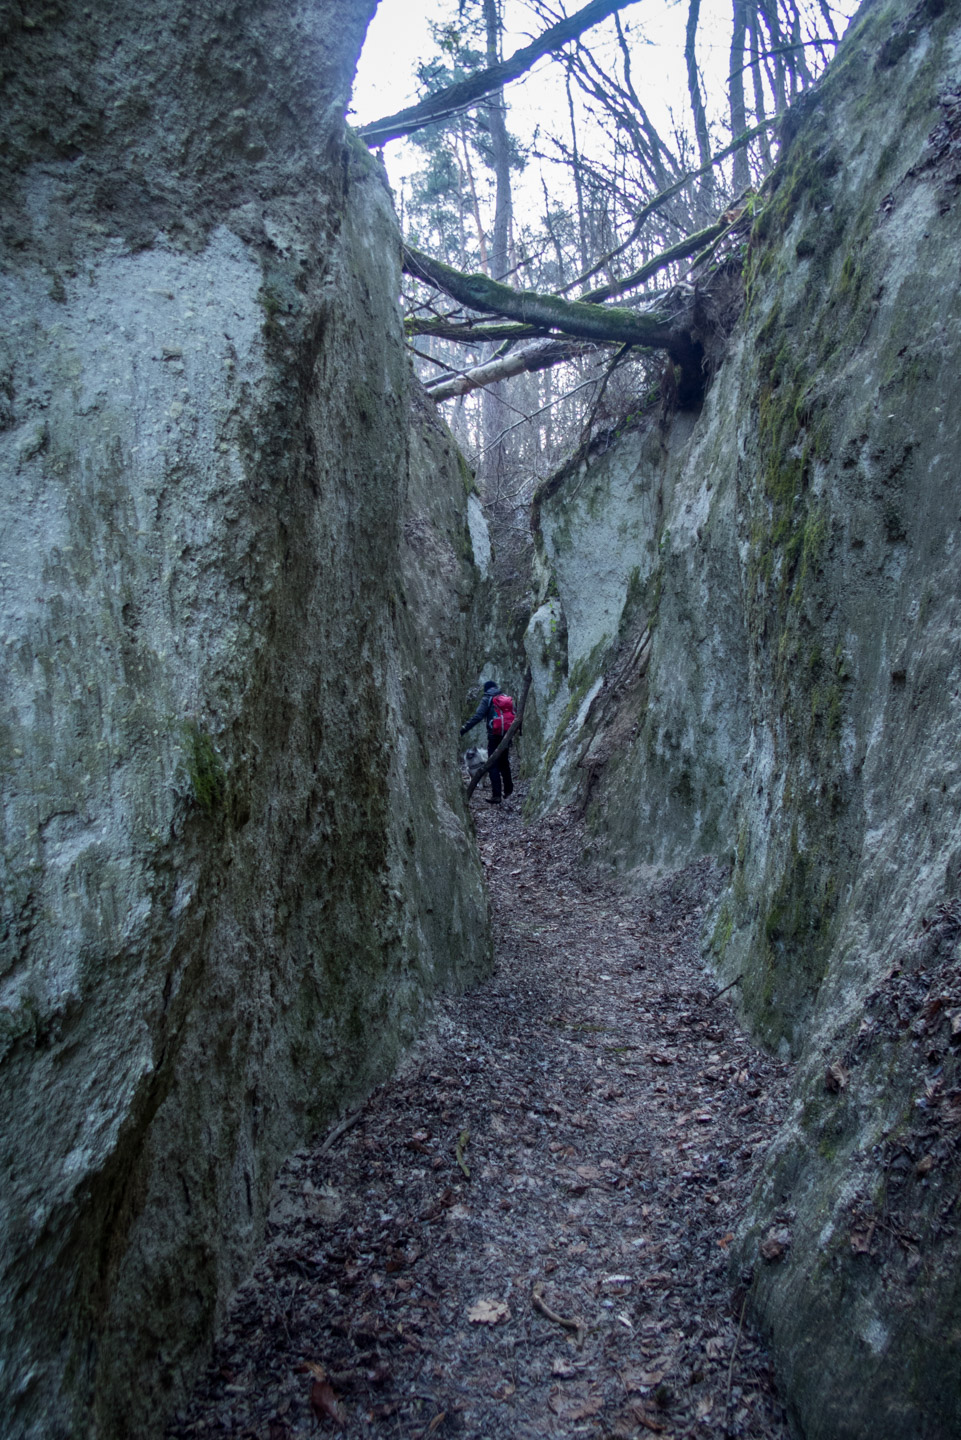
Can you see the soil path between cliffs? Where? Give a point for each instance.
(525, 1232)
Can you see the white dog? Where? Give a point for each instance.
(475, 759)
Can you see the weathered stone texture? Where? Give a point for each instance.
(795, 710)
(235, 604)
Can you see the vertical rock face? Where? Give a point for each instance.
(235, 603)
(775, 680)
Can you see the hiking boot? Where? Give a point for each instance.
(493, 799)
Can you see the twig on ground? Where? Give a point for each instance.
(736, 981)
(647, 1422)
(346, 1124)
(539, 1303)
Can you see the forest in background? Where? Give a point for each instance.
(618, 193)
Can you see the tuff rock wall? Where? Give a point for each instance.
(749, 645)
(236, 593)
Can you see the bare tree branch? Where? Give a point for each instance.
(467, 92)
(448, 370)
(596, 402)
(690, 245)
(819, 40)
(658, 200)
(557, 400)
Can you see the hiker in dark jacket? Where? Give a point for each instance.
(500, 771)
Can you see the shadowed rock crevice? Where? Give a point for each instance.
(237, 866)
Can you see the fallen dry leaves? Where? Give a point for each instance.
(489, 1312)
(526, 1232)
(323, 1403)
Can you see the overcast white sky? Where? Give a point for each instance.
(399, 36)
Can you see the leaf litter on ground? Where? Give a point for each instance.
(573, 1279)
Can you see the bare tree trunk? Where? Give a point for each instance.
(494, 413)
(800, 74)
(576, 170)
(706, 186)
(778, 78)
(501, 150)
(742, 171)
(461, 232)
(481, 237)
(547, 403)
(549, 226)
(757, 82)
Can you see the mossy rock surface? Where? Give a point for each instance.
(797, 712)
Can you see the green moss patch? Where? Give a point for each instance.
(208, 775)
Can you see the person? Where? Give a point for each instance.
(500, 771)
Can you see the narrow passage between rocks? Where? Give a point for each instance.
(525, 1232)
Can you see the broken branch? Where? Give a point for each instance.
(346, 1124)
(736, 981)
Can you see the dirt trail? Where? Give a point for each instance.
(525, 1232)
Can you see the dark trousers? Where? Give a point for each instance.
(500, 772)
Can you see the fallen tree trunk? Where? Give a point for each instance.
(502, 367)
(611, 323)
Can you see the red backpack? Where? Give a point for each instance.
(503, 717)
